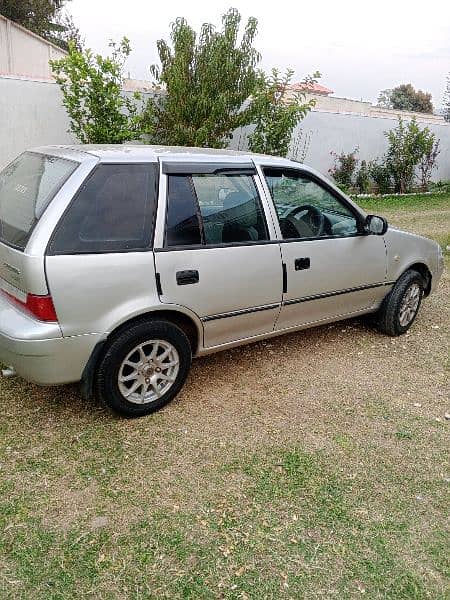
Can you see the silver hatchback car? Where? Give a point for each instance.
(118, 264)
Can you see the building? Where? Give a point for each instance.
(325, 102)
(23, 54)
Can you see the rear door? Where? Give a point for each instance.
(217, 254)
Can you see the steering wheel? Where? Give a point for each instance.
(310, 225)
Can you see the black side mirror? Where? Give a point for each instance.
(375, 225)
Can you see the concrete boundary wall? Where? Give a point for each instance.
(24, 53)
(31, 114)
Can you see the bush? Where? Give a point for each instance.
(403, 154)
(92, 95)
(381, 176)
(363, 182)
(343, 170)
(411, 149)
(430, 151)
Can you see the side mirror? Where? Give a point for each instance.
(375, 225)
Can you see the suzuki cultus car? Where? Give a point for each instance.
(118, 264)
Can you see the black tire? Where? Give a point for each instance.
(106, 383)
(388, 317)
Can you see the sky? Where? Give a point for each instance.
(360, 47)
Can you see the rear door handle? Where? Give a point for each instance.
(187, 277)
(302, 263)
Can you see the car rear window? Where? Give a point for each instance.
(27, 185)
(112, 212)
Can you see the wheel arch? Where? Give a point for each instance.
(424, 270)
(187, 323)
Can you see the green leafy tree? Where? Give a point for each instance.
(275, 114)
(44, 17)
(408, 145)
(205, 81)
(405, 97)
(92, 95)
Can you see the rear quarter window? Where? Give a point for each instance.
(27, 186)
(113, 211)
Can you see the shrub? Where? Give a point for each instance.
(430, 151)
(381, 176)
(92, 95)
(363, 182)
(409, 148)
(402, 155)
(344, 167)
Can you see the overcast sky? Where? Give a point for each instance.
(360, 47)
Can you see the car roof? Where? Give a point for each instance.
(149, 153)
(120, 153)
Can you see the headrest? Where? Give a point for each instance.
(241, 209)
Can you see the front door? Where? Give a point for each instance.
(332, 270)
(217, 257)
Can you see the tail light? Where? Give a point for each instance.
(41, 307)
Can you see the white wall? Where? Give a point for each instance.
(322, 132)
(22, 53)
(345, 132)
(31, 114)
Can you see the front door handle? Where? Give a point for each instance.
(187, 277)
(302, 263)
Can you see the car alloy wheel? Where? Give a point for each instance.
(410, 304)
(148, 371)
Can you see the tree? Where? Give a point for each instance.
(275, 115)
(205, 81)
(92, 95)
(405, 97)
(410, 148)
(44, 17)
(446, 101)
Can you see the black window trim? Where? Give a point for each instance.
(207, 168)
(148, 248)
(57, 190)
(359, 216)
(204, 246)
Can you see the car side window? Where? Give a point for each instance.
(112, 212)
(306, 209)
(213, 209)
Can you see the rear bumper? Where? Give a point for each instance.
(48, 361)
(37, 350)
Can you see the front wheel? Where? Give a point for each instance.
(143, 368)
(401, 305)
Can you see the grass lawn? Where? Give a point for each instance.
(314, 465)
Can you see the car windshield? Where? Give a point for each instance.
(27, 185)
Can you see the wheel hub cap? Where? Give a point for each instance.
(148, 371)
(410, 304)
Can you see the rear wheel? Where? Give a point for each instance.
(143, 368)
(401, 305)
